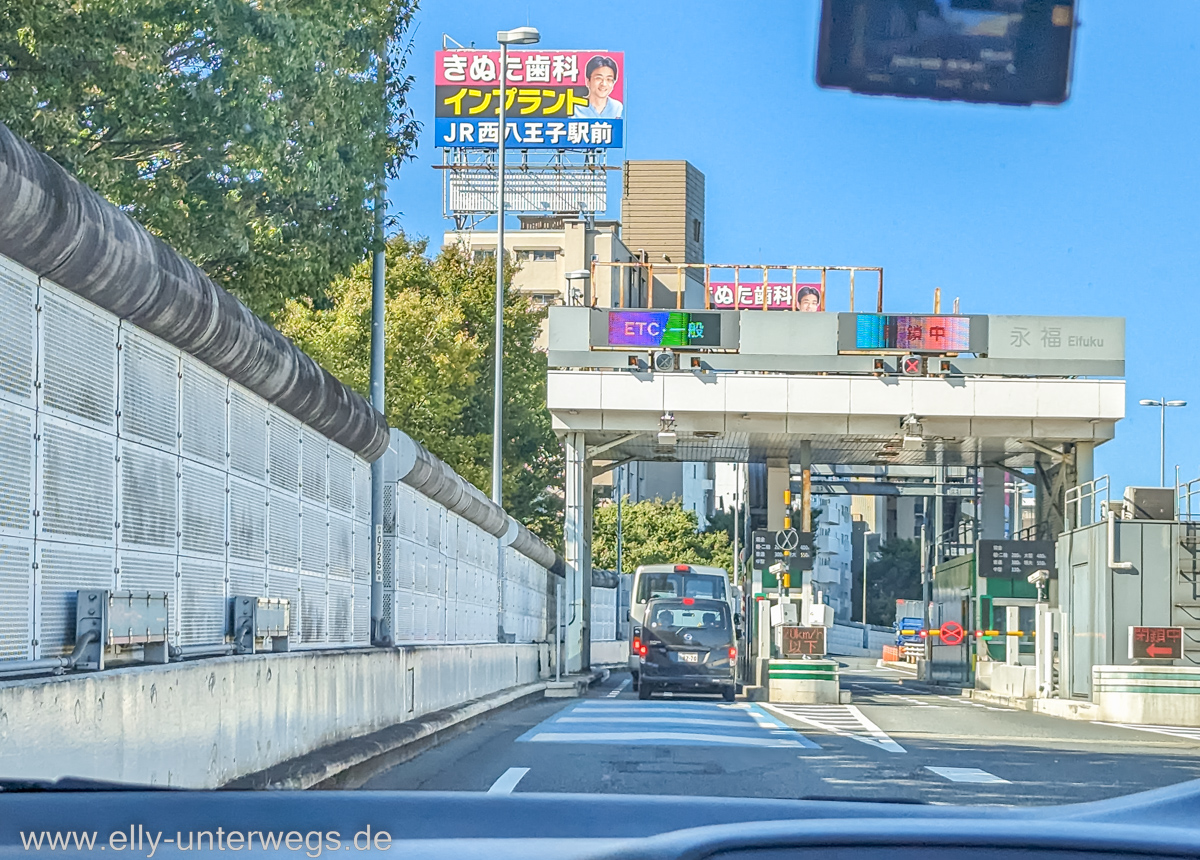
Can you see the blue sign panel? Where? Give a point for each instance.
(530, 134)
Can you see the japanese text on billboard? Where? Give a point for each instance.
(552, 100)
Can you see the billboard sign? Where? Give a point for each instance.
(553, 99)
(779, 297)
(663, 329)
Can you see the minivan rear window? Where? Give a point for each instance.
(671, 584)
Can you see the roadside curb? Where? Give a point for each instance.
(350, 763)
(1063, 708)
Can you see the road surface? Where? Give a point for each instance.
(896, 741)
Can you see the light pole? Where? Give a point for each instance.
(519, 36)
(1162, 403)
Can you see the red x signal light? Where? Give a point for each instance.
(912, 365)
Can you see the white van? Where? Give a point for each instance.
(673, 580)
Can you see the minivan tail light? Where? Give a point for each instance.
(643, 650)
(688, 601)
(636, 645)
(732, 653)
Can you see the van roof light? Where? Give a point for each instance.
(682, 568)
(688, 601)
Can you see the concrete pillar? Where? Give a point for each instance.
(806, 486)
(991, 503)
(1012, 644)
(1085, 471)
(779, 478)
(577, 534)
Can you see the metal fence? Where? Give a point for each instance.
(126, 464)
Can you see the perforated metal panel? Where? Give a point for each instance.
(79, 361)
(341, 611)
(313, 539)
(284, 519)
(405, 563)
(362, 552)
(203, 520)
(244, 580)
(149, 390)
(77, 481)
(247, 521)
(362, 490)
(313, 449)
(362, 612)
(247, 434)
(433, 525)
(341, 482)
(286, 585)
(18, 333)
(313, 609)
(203, 414)
(149, 493)
(341, 545)
(16, 597)
(406, 511)
(283, 435)
(202, 605)
(16, 468)
(143, 571)
(62, 570)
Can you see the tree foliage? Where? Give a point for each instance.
(439, 368)
(894, 575)
(656, 532)
(250, 136)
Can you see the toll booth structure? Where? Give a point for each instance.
(998, 617)
(1124, 564)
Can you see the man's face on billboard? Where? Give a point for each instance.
(601, 82)
(809, 302)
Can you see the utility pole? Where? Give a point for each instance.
(378, 635)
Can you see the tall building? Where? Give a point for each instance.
(662, 214)
(833, 549)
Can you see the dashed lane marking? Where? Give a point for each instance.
(845, 720)
(966, 774)
(614, 693)
(508, 780)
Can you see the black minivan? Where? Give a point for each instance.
(686, 644)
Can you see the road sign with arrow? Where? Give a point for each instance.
(1155, 643)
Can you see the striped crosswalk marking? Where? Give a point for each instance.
(1187, 733)
(966, 774)
(845, 720)
(603, 721)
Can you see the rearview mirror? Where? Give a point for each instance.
(996, 51)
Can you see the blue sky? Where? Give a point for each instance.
(1087, 208)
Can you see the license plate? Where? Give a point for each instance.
(687, 657)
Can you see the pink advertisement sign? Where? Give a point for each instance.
(749, 297)
(537, 67)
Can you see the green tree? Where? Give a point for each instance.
(894, 575)
(656, 532)
(250, 136)
(438, 368)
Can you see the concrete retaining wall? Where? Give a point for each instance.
(847, 640)
(204, 723)
(1153, 695)
(610, 653)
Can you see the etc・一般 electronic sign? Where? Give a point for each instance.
(680, 329)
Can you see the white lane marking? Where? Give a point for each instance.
(693, 737)
(508, 780)
(845, 720)
(733, 721)
(1185, 732)
(614, 693)
(966, 774)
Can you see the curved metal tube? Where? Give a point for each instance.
(433, 478)
(64, 231)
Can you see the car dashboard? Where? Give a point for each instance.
(478, 826)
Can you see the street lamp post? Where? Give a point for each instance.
(519, 36)
(1162, 403)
